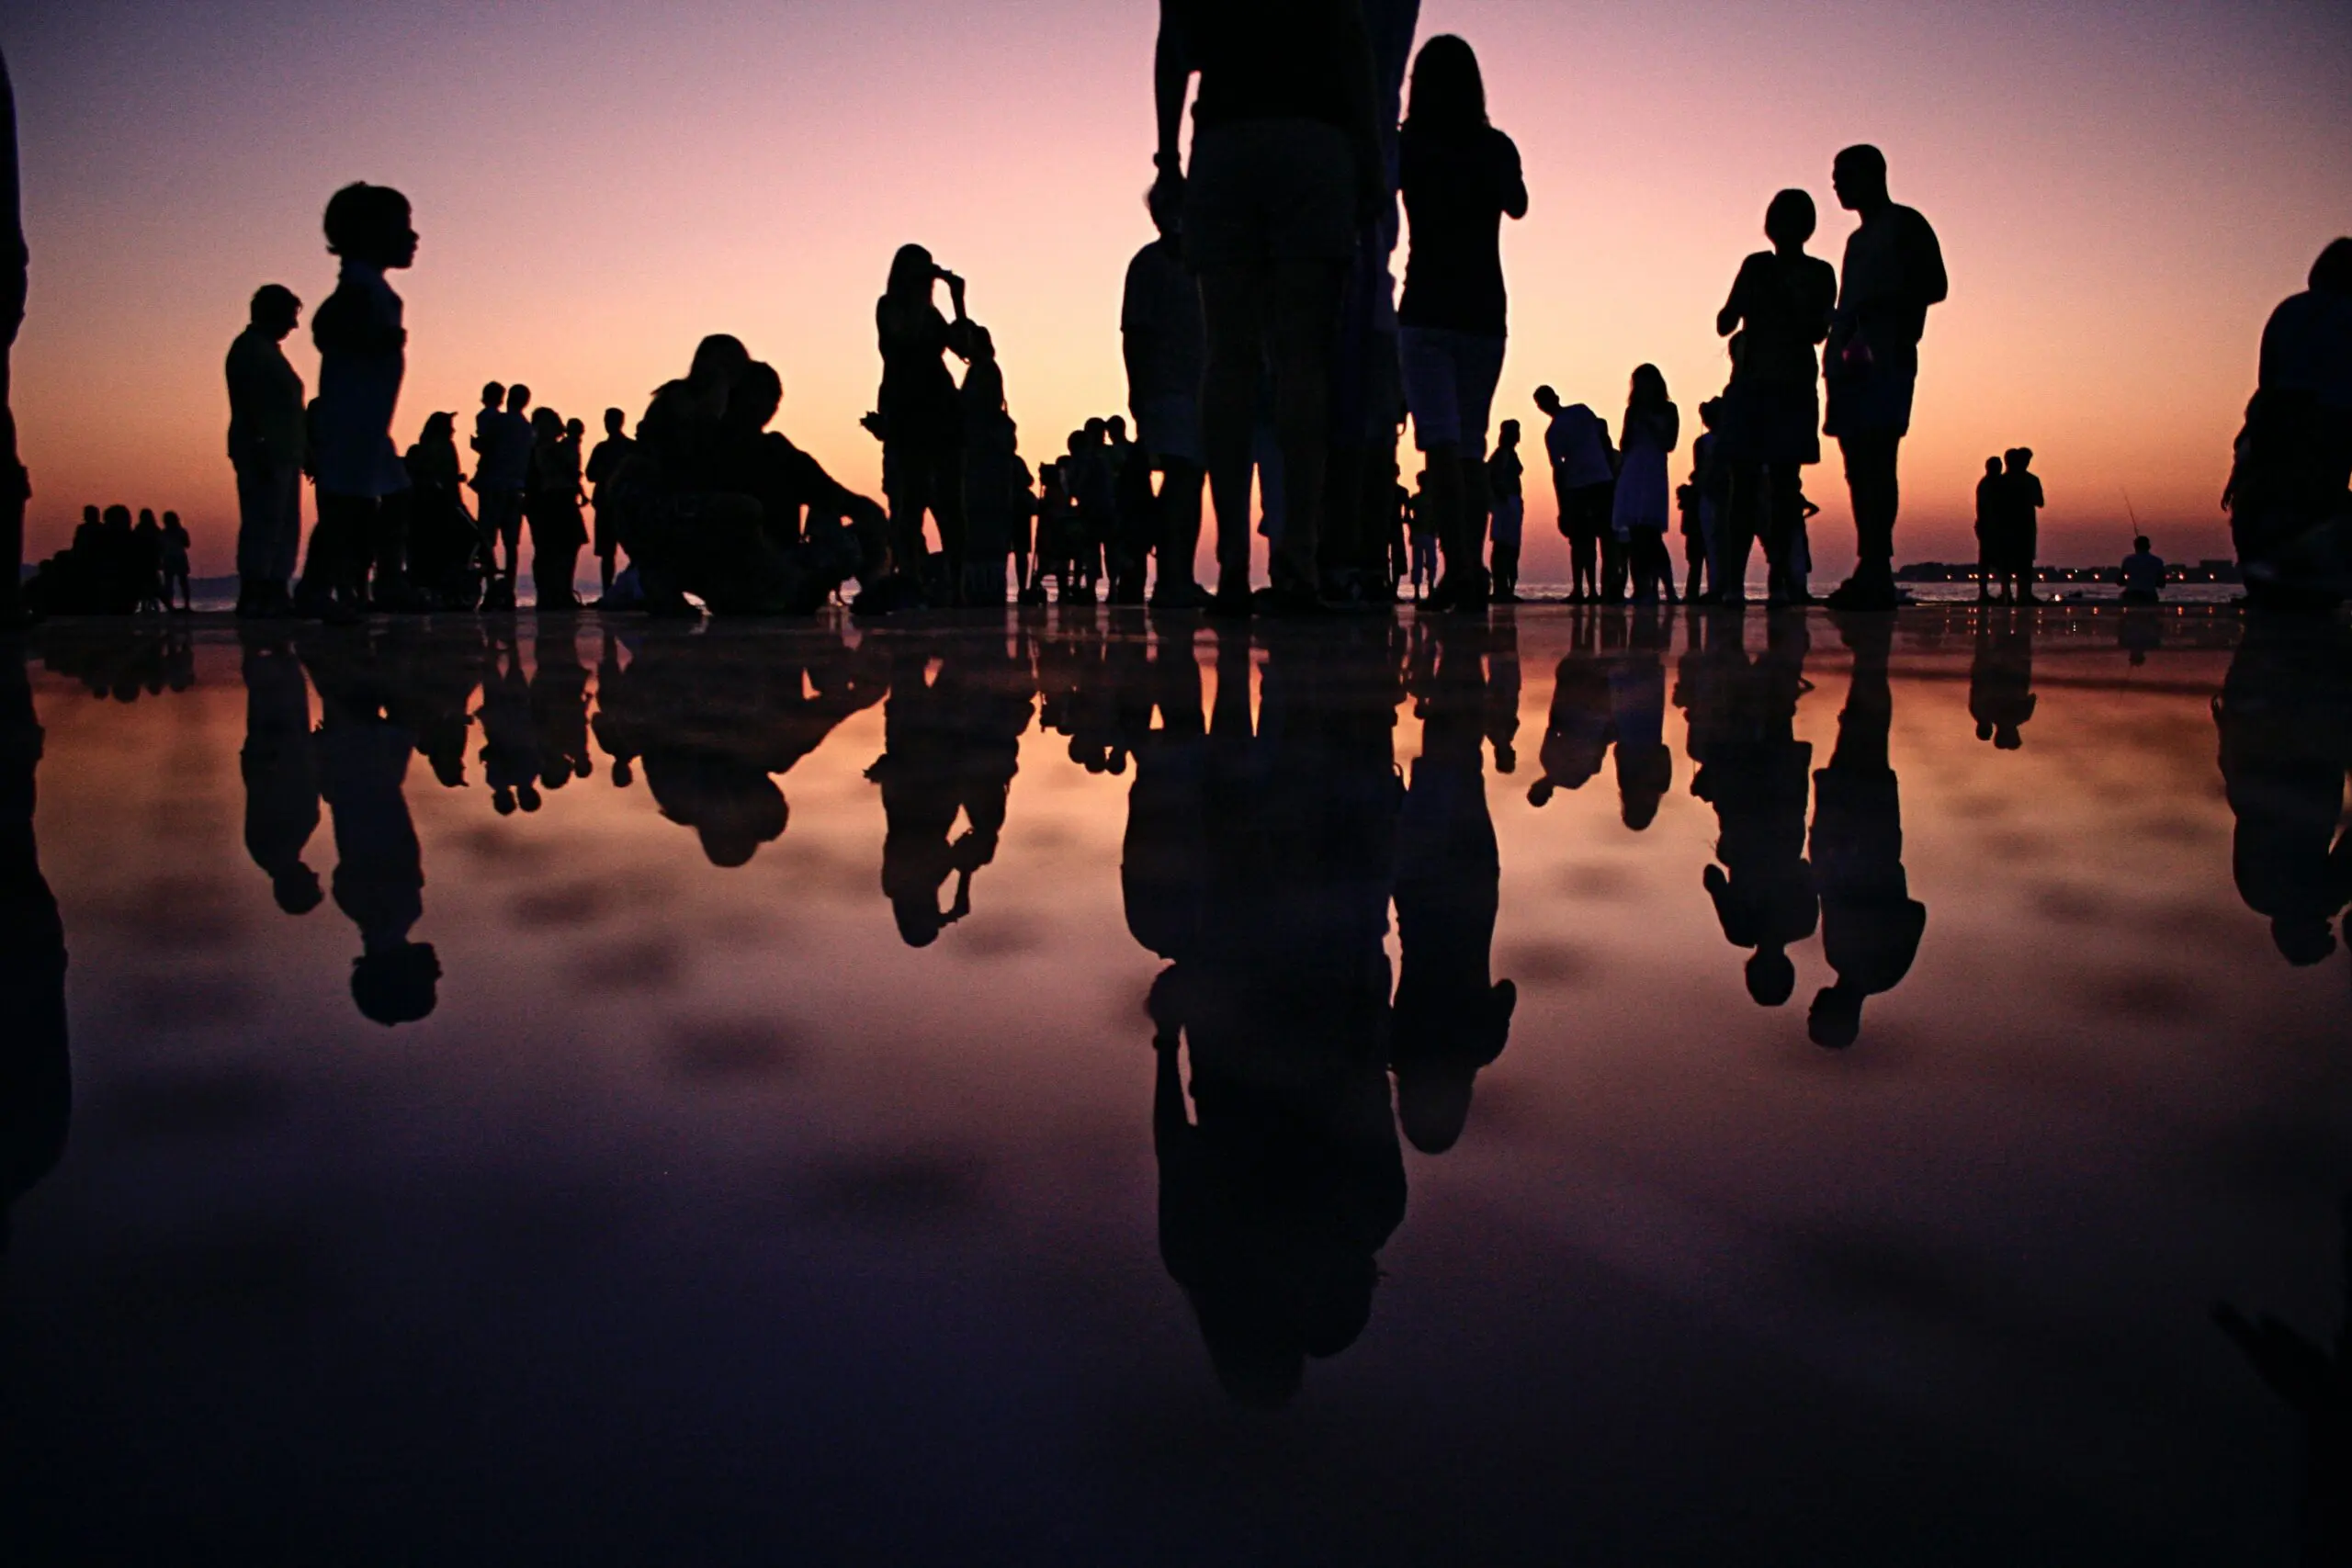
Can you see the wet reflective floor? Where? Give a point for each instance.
(1591, 1086)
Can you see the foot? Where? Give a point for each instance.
(1856, 593)
(1183, 596)
(1290, 602)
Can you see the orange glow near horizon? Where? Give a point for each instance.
(2122, 197)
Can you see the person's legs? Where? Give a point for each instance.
(1180, 528)
(1304, 318)
(256, 531)
(338, 553)
(1741, 512)
(947, 511)
(1871, 466)
(1233, 304)
(907, 480)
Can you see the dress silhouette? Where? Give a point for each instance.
(917, 414)
(1871, 925)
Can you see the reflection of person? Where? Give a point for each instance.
(2000, 679)
(266, 439)
(281, 772)
(2289, 495)
(952, 744)
(379, 867)
(36, 1075)
(1871, 925)
(1893, 272)
(1451, 1018)
(1758, 775)
(1581, 724)
(2285, 719)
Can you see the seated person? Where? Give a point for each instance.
(2142, 574)
(800, 505)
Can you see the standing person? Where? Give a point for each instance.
(2289, 495)
(16, 488)
(1286, 169)
(176, 596)
(2022, 488)
(917, 413)
(363, 355)
(1164, 343)
(1893, 272)
(502, 482)
(1460, 177)
(1575, 444)
(1639, 515)
(1988, 530)
(1780, 307)
(553, 506)
(1421, 528)
(603, 464)
(147, 563)
(265, 448)
(1702, 523)
(1505, 485)
(443, 544)
(991, 456)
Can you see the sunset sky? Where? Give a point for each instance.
(2124, 192)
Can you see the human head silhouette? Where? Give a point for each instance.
(1648, 389)
(1165, 202)
(1992, 466)
(518, 398)
(1509, 436)
(546, 425)
(1448, 93)
(1547, 400)
(718, 360)
(492, 394)
(615, 423)
(1858, 175)
(912, 272)
(2332, 273)
(1117, 428)
(146, 518)
(2140, 544)
(573, 430)
(397, 986)
(1789, 220)
(117, 517)
(1771, 977)
(438, 428)
(370, 224)
(1710, 412)
(2019, 458)
(89, 517)
(274, 309)
(759, 392)
(1836, 1020)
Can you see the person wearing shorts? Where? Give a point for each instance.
(1460, 177)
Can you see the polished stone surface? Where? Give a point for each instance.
(772, 1161)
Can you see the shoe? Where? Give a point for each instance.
(1855, 594)
(1288, 603)
(1232, 601)
(1184, 595)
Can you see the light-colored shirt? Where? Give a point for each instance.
(265, 402)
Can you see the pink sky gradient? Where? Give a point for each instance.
(2124, 192)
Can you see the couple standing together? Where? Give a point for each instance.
(1291, 170)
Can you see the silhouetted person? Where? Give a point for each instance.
(265, 440)
(177, 595)
(16, 488)
(918, 415)
(604, 463)
(2020, 532)
(1990, 499)
(2315, 1380)
(1460, 178)
(1643, 504)
(815, 532)
(1451, 1018)
(280, 767)
(552, 504)
(2290, 494)
(1505, 480)
(1166, 348)
(36, 1076)
(444, 542)
(1758, 776)
(2142, 574)
(363, 355)
(379, 868)
(507, 443)
(147, 563)
(1286, 168)
(1871, 925)
(1584, 476)
(1893, 272)
(1771, 421)
(2283, 716)
(996, 482)
(2000, 679)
